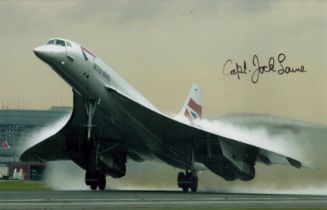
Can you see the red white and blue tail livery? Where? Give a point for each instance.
(192, 108)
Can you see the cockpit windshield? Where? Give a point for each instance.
(59, 42)
(51, 41)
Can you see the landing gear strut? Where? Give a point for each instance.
(95, 179)
(90, 106)
(188, 180)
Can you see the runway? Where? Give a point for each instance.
(152, 200)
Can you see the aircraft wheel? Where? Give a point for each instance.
(94, 186)
(102, 182)
(88, 176)
(181, 179)
(185, 188)
(194, 183)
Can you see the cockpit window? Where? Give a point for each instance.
(52, 41)
(60, 42)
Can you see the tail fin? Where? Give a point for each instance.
(192, 108)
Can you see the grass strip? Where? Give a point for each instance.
(23, 185)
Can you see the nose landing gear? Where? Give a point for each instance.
(93, 177)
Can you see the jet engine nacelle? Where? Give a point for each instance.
(114, 163)
(82, 152)
(233, 162)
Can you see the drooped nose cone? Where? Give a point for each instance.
(43, 52)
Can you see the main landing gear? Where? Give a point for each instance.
(95, 180)
(188, 181)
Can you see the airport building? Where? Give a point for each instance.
(17, 127)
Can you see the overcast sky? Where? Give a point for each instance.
(162, 47)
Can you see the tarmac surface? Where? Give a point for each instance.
(48, 199)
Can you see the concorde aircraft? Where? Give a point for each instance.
(111, 122)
